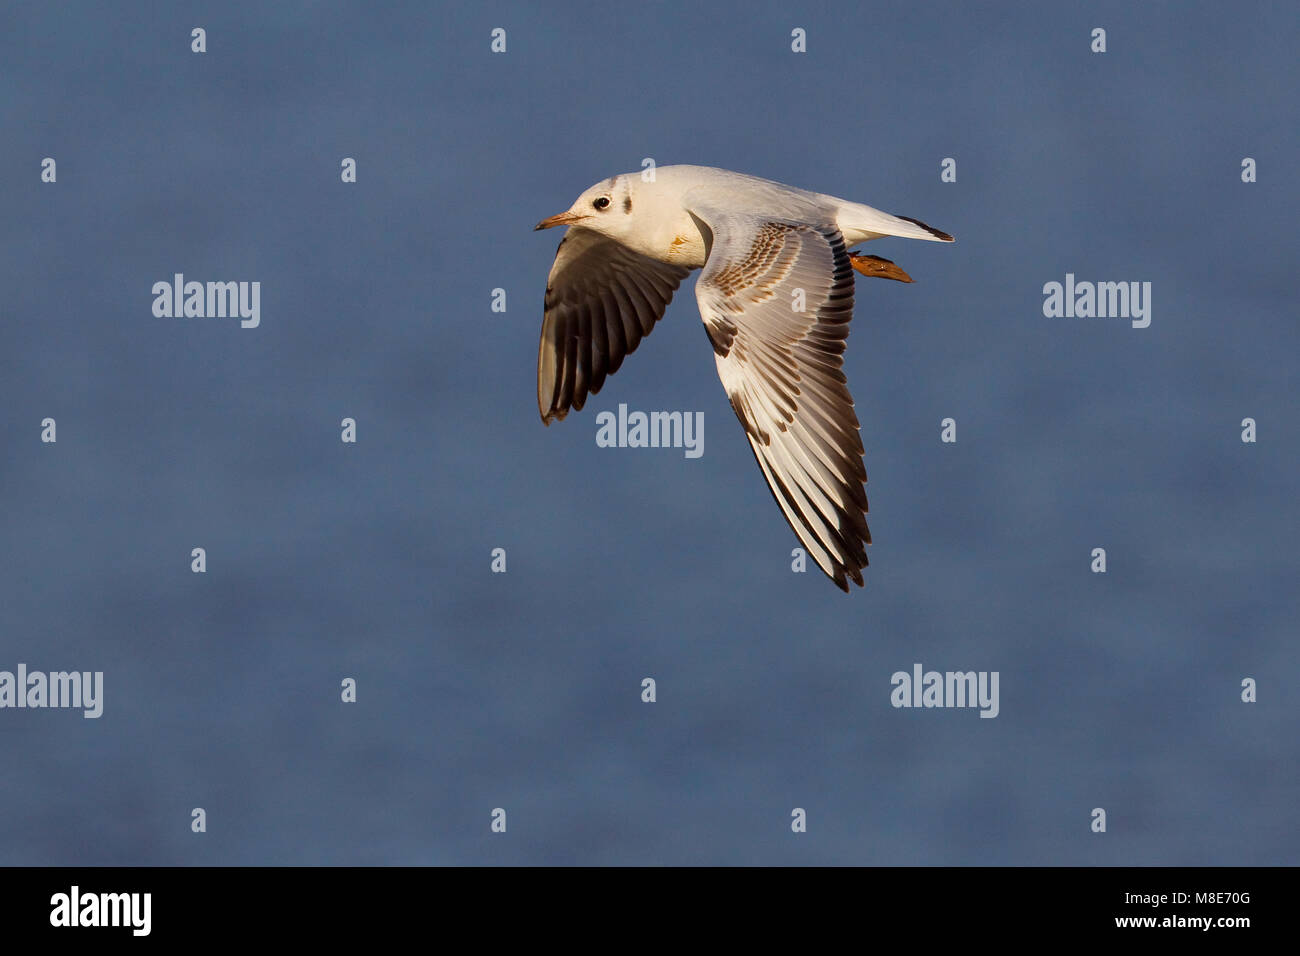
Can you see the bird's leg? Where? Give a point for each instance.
(877, 268)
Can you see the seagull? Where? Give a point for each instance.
(776, 297)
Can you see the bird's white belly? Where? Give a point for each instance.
(685, 248)
(676, 241)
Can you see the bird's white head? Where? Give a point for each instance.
(609, 207)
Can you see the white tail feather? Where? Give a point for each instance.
(860, 223)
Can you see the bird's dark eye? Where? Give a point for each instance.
(602, 203)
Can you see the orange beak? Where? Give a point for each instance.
(563, 219)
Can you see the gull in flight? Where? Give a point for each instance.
(776, 296)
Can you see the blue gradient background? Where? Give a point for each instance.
(522, 690)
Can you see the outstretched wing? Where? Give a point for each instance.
(776, 298)
(602, 298)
